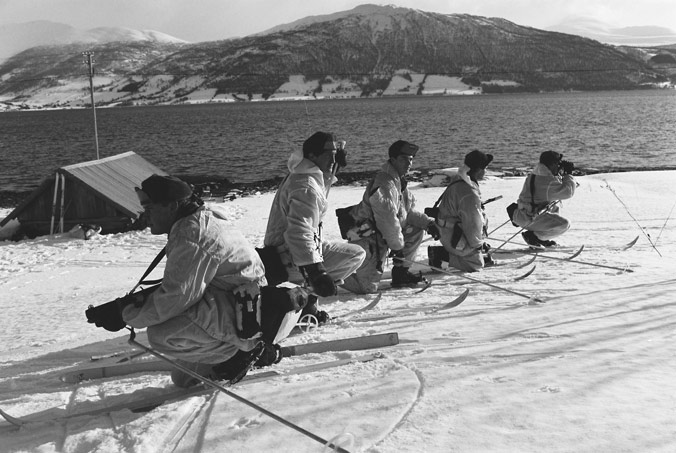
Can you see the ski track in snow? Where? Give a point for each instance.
(593, 361)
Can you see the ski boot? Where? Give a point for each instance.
(436, 255)
(236, 367)
(534, 241)
(489, 261)
(402, 278)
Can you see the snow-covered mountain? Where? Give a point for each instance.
(367, 10)
(367, 51)
(15, 38)
(644, 35)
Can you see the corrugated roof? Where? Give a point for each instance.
(115, 177)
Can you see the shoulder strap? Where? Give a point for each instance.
(442, 193)
(532, 192)
(152, 266)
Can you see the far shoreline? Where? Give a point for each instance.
(224, 189)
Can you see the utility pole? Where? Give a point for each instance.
(90, 63)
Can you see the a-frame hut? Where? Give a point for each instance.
(99, 192)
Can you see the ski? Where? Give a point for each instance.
(527, 263)
(572, 259)
(447, 306)
(510, 279)
(452, 304)
(522, 276)
(576, 253)
(307, 323)
(536, 253)
(370, 306)
(629, 244)
(80, 374)
(124, 356)
(148, 403)
(426, 285)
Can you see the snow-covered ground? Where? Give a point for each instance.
(590, 369)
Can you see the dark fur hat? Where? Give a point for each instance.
(477, 159)
(163, 189)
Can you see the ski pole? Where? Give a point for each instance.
(476, 280)
(632, 217)
(496, 229)
(217, 386)
(665, 223)
(549, 206)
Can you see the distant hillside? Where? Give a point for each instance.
(15, 38)
(368, 51)
(619, 36)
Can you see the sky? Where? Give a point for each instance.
(210, 20)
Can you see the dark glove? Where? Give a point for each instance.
(108, 315)
(341, 154)
(272, 353)
(397, 256)
(433, 230)
(567, 167)
(485, 247)
(322, 283)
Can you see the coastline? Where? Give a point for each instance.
(222, 187)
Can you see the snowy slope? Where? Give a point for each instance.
(590, 369)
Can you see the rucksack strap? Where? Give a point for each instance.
(436, 203)
(532, 193)
(152, 266)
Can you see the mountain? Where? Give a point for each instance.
(619, 36)
(15, 38)
(368, 51)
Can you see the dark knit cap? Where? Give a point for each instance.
(402, 147)
(163, 189)
(316, 143)
(476, 159)
(550, 157)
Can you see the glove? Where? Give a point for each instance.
(396, 255)
(272, 353)
(321, 282)
(433, 230)
(485, 247)
(567, 167)
(108, 315)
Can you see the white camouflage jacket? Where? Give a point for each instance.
(548, 188)
(392, 208)
(206, 261)
(461, 203)
(297, 211)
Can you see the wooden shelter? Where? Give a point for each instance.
(99, 192)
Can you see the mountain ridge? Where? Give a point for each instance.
(639, 35)
(367, 51)
(15, 38)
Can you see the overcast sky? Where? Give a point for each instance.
(208, 20)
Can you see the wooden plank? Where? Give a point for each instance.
(345, 344)
(120, 369)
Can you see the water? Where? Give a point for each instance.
(248, 142)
